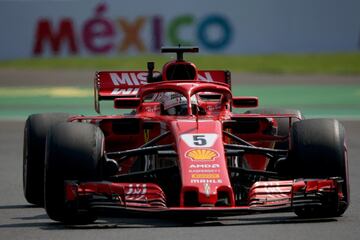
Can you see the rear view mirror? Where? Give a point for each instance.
(245, 102)
(127, 103)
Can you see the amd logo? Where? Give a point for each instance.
(203, 166)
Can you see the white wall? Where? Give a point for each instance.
(231, 27)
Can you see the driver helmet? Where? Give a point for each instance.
(175, 104)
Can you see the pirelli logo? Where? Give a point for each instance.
(205, 176)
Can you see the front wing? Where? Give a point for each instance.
(148, 199)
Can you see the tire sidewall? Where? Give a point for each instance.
(35, 130)
(74, 151)
(318, 150)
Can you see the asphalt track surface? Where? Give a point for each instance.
(40, 77)
(19, 220)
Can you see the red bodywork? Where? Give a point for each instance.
(199, 169)
(269, 196)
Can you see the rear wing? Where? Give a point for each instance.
(109, 85)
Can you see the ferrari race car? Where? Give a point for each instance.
(181, 152)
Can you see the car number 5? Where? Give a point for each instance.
(199, 140)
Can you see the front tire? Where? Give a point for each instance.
(318, 150)
(36, 128)
(74, 151)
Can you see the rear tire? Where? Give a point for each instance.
(282, 130)
(283, 123)
(318, 150)
(74, 151)
(36, 128)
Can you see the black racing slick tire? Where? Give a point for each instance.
(318, 150)
(74, 151)
(283, 123)
(282, 130)
(36, 128)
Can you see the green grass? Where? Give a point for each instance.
(333, 101)
(338, 64)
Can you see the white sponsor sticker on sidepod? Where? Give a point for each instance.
(200, 140)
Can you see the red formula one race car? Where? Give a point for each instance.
(181, 152)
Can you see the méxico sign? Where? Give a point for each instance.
(40, 28)
(98, 34)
